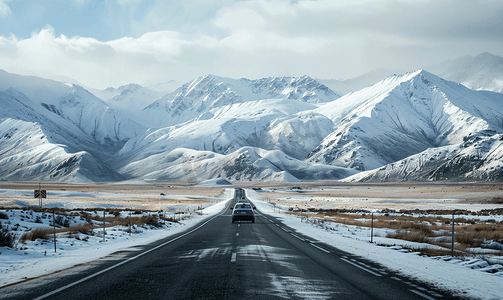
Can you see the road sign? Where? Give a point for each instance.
(40, 194)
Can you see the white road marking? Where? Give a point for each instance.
(316, 246)
(358, 266)
(298, 237)
(233, 258)
(123, 262)
(422, 295)
(237, 233)
(367, 266)
(434, 294)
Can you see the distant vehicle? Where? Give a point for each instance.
(243, 212)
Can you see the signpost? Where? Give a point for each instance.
(40, 194)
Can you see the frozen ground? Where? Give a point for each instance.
(465, 277)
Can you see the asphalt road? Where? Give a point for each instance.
(221, 260)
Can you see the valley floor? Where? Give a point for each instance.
(471, 277)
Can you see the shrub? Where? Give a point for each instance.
(3, 216)
(7, 238)
(84, 228)
(62, 221)
(38, 233)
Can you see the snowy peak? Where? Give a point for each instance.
(303, 88)
(401, 116)
(482, 72)
(208, 92)
(129, 88)
(360, 82)
(132, 98)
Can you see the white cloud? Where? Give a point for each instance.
(127, 2)
(260, 38)
(4, 8)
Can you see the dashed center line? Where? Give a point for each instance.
(237, 233)
(233, 258)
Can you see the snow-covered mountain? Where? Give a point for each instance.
(208, 92)
(34, 145)
(218, 137)
(244, 164)
(482, 72)
(415, 126)
(402, 116)
(478, 158)
(355, 84)
(133, 97)
(61, 132)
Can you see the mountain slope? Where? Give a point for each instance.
(245, 164)
(208, 92)
(134, 97)
(355, 84)
(478, 158)
(32, 146)
(402, 116)
(93, 116)
(244, 141)
(482, 72)
(277, 124)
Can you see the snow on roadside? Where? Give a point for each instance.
(36, 258)
(468, 278)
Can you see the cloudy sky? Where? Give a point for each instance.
(102, 43)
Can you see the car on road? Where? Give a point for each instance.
(243, 212)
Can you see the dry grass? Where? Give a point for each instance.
(91, 215)
(82, 228)
(37, 233)
(431, 229)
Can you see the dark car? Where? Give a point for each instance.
(243, 212)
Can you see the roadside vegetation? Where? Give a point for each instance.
(34, 223)
(475, 233)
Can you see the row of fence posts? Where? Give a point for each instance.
(452, 234)
(104, 222)
(372, 229)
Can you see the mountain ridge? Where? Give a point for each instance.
(413, 126)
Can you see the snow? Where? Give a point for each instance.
(38, 258)
(214, 183)
(404, 115)
(482, 72)
(355, 84)
(276, 129)
(472, 278)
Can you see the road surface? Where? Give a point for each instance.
(221, 260)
